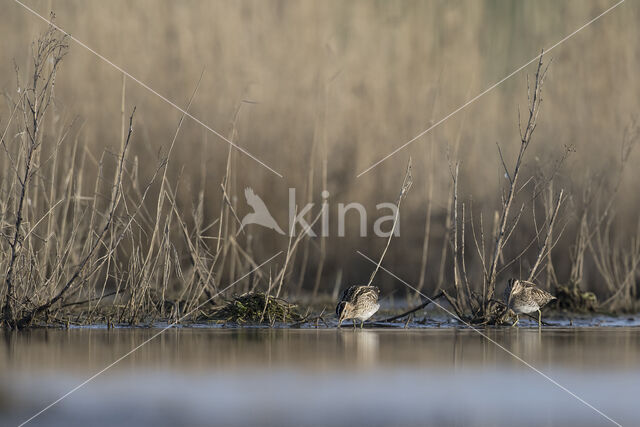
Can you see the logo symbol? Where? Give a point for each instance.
(260, 215)
(299, 217)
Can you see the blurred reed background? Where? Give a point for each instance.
(335, 86)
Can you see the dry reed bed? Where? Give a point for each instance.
(104, 257)
(123, 249)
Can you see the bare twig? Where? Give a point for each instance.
(406, 185)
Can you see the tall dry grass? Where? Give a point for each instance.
(102, 249)
(332, 87)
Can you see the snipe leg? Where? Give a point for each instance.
(539, 318)
(517, 320)
(361, 324)
(355, 321)
(339, 324)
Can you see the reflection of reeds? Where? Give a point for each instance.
(361, 347)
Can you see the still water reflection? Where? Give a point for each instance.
(201, 376)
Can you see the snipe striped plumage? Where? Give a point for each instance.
(524, 297)
(357, 303)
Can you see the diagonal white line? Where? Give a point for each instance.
(527, 364)
(94, 376)
(147, 87)
(489, 89)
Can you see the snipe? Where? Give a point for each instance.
(358, 303)
(524, 297)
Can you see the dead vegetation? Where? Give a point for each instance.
(256, 308)
(73, 251)
(474, 299)
(482, 305)
(91, 237)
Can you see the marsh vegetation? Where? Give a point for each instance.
(130, 213)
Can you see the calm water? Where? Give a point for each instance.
(282, 377)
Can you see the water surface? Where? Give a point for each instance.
(293, 377)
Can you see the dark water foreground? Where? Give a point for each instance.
(286, 377)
